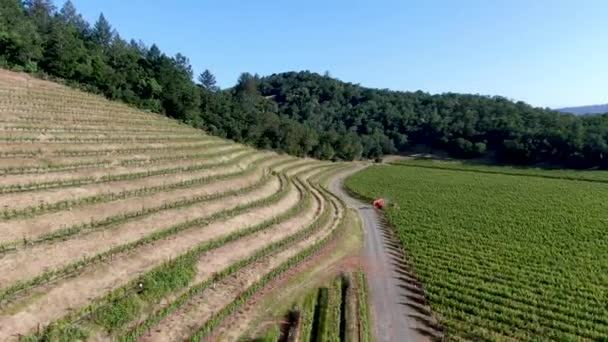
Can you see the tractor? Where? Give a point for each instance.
(379, 203)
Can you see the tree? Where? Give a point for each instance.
(20, 44)
(207, 81)
(41, 12)
(102, 33)
(64, 54)
(69, 15)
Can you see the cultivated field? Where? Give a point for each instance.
(118, 224)
(501, 253)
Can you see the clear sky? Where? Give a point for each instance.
(545, 52)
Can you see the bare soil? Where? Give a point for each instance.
(181, 324)
(34, 227)
(32, 198)
(35, 260)
(61, 297)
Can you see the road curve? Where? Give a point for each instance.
(394, 320)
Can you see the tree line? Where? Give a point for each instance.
(300, 113)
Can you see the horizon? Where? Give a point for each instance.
(545, 53)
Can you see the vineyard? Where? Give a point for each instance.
(502, 253)
(118, 224)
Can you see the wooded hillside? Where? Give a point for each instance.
(301, 113)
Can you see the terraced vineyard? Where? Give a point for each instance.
(501, 253)
(118, 224)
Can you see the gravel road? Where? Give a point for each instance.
(397, 316)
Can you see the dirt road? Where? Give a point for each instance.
(397, 316)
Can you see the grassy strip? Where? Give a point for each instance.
(334, 317)
(365, 333)
(73, 268)
(69, 204)
(350, 316)
(60, 129)
(329, 312)
(25, 139)
(210, 142)
(501, 170)
(216, 319)
(272, 334)
(205, 143)
(138, 123)
(307, 316)
(116, 220)
(21, 153)
(62, 167)
(56, 184)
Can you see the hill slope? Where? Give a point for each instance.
(115, 221)
(593, 109)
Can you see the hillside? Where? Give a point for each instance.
(117, 223)
(299, 113)
(581, 110)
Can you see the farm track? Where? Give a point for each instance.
(394, 321)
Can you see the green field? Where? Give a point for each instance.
(502, 252)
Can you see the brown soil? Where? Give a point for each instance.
(185, 321)
(59, 298)
(31, 228)
(99, 172)
(37, 259)
(217, 259)
(33, 198)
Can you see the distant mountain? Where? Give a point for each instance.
(593, 109)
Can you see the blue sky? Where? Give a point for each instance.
(545, 52)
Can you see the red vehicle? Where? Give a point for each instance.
(379, 203)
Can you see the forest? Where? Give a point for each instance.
(300, 113)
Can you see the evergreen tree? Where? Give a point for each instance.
(102, 33)
(41, 12)
(207, 81)
(20, 44)
(69, 15)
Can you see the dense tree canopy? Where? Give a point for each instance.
(301, 113)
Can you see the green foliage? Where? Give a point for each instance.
(118, 313)
(307, 315)
(58, 333)
(300, 113)
(365, 332)
(501, 256)
(162, 281)
(272, 334)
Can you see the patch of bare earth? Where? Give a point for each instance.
(32, 198)
(184, 322)
(60, 297)
(237, 324)
(34, 227)
(34, 260)
(219, 258)
(99, 172)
